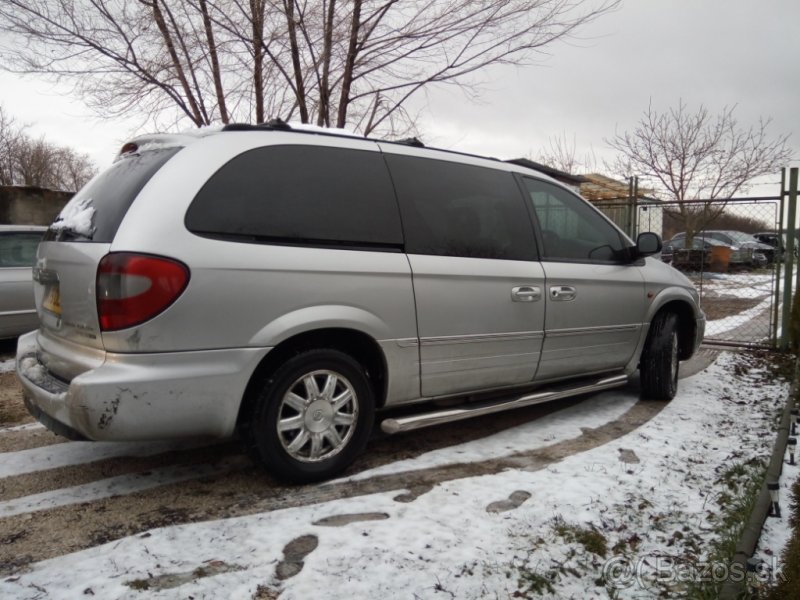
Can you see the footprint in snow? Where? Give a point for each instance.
(414, 492)
(515, 500)
(342, 520)
(293, 554)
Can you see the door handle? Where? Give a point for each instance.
(563, 293)
(525, 293)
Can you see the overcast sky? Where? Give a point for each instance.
(714, 52)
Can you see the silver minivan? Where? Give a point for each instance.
(291, 285)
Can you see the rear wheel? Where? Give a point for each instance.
(312, 416)
(659, 362)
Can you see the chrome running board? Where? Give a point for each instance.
(449, 415)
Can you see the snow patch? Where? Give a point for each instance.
(32, 370)
(114, 486)
(78, 453)
(726, 324)
(76, 217)
(26, 427)
(446, 544)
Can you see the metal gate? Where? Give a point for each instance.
(745, 286)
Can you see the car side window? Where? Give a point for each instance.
(300, 195)
(19, 249)
(453, 209)
(571, 230)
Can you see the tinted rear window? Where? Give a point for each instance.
(102, 204)
(453, 209)
(300, 195)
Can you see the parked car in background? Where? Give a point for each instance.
(771, 238)
(698, 257)
(744, 252)
(290, 285)
(18, 245)
(744, 240)
(776, 241)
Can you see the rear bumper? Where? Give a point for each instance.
(140, 396)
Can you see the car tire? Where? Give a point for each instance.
(659, 363)
(311, 417)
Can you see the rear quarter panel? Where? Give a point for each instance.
(237, 290)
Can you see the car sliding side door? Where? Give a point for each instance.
(478, 284)
(595, 295)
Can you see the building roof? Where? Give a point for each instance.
(597, 187)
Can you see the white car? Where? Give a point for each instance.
(18, 245)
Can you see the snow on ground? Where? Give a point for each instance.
(648, 498)
(726, 324)
(752, 286)
(115, 486)
(740, 285)
(25, 427)
(7, 366)
(77, 453)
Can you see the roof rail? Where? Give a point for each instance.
(238, 127)
(274, 124)
(410, 141)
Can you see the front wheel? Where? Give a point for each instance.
(312, 417)
(659, 362)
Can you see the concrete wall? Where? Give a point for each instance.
(30, 206)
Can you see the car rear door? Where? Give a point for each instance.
(68, 257)
(595, 298)
(477, 283)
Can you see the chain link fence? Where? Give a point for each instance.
(729, 249)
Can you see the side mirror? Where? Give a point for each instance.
(648, 243)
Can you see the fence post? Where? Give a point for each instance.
(776, 308)
(791, 230)
(633, 208)
(627, 210)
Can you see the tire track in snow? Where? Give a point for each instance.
(77, 453)
(251, 492)
(114, 507)
(52, 480)
(116, 486)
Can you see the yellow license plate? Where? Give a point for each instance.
(52, 300)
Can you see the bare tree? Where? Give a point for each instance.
(698, 156)
(333, 62)
(38, 163)
(10, 137)
(71, 169)
(561, 153)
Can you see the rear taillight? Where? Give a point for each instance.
(133, 288)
